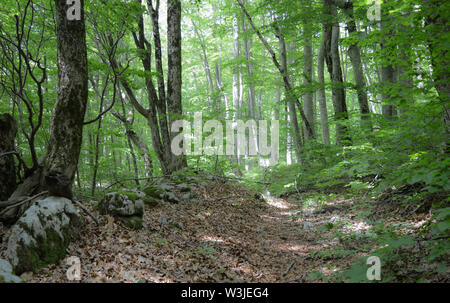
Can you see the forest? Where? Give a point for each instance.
(224, 141)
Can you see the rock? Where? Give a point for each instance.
(165, 220)
(6, 275)
(307, 225)
(42, 234)
(170, 197)
(127, 206)
(154, 191)
(121, 204)
(151, 201)
(166, 186)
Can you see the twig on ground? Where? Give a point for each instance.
(289, 268)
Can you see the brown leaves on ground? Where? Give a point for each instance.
(227, 235)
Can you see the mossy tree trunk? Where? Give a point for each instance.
(68, 115)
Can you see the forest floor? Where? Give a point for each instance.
(228, 235)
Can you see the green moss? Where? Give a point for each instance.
(151, 201)
(153, 191)
(49, 250)
(134, 222)
(132, 196)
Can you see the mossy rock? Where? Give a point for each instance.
(131, 195)
(134, 222)
(151, 201)
(153, 191)
(42, 234)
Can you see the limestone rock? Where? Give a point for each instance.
(42, 234)
(125, 205)
(121, 204)
(6, 275)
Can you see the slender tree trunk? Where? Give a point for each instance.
(355, 57)
(331, 36)
(291, 105)
(321, 94)
(308, 70)
(387, 72)
(236, 94)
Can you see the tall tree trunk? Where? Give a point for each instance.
(387, 70)
(236, 94)
(66, 130)
(321, 94)
(355, 57)
(174, 81)
(308, 70)
(331, 36)
(295, 130)
(437, 28)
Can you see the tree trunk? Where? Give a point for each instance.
(321, 94)
(387, 72)
(355, 57)
(331, 36)
(8, 131)
(307, 71)
(437, 28)
(66, 130)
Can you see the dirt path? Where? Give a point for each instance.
(228, 235)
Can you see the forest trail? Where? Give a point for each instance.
(228, 235)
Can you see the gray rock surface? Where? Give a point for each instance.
(6, 275)
(42, 234)
(128, 206)
(119, 204)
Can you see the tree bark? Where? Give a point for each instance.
(308, 71)
(387, 71)
(66, 130)
(354, 53)
(437, 27)
(8, 132)
(331, 36)
(321, 94)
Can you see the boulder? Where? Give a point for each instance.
(42, 234)
(170, 197)
(125, 205)
(6, 275)
(121, 204)
(154, 191)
